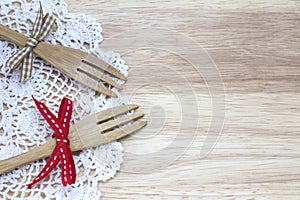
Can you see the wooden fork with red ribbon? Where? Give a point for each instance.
(93, 130)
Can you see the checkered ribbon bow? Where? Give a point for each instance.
(62, 151)
(40, 30)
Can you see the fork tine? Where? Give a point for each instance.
(113, 112)
(124, 131)
(87, 133)
(119, 122)
(97, 74)
(100, 64)
(95, 85)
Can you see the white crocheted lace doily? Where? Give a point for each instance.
(21, 125)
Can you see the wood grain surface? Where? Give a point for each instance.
(254, 45)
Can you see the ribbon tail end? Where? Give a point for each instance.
(29, 186)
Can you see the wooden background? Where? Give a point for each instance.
(255, 45)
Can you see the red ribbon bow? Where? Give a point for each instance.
(62, 151)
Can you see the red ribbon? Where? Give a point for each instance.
(62, 151)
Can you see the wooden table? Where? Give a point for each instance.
(255, 46)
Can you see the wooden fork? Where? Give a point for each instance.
(85, 68)
(93, 130)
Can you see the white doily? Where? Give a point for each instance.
(21, 125)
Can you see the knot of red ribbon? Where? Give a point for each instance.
(62, 151)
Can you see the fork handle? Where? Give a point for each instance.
(13, 36)
(36, 153)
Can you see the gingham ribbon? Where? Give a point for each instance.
(40, 30)
(62, 151)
